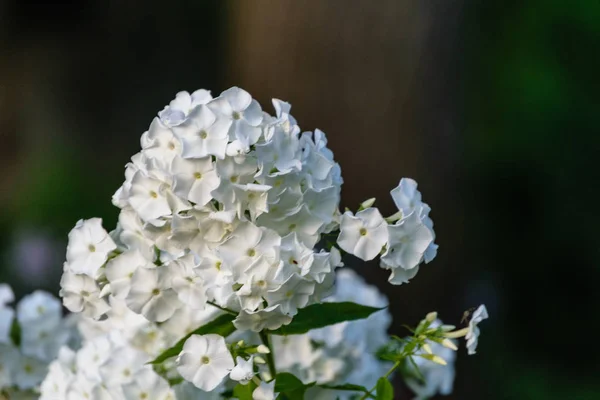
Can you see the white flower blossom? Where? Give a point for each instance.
(205, 361)
(363, 234)
(243, 372)
(266, 391)
(472, 336)
(89, 246)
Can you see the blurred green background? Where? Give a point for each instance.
(492, 106)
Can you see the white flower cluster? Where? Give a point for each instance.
(30, 338)
(104, 368)
(224, 205)
(404, 240)
(340, 353)
(222, 211)
(111, 363)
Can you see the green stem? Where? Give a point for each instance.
(387, 374)
(264, 336)
(227, 310)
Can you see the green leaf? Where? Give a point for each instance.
(15, 332)
(286, 382)
(222, 325)
(345, 386)
(244, 392)
(290, 387)
(385, 391)
(324, 314)
(349, 387)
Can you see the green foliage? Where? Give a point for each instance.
(348, 387)
(15, 333)
(221, 325)
(385, 391)
(289, 387)
(244, 392)
(320, 315)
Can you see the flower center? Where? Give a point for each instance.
(261, 283)
(197, 175)
(155, 292)
(203, 134)
(153, 194)
(292, 227)
(363, 232)
(233, 179)
(236, 115)
(92, 248)
(218, 265)
(205, 360)
(171, 146)
(251, 253)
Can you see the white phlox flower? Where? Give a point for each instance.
(472, 336)
(243, 372)
(363, 234)
(89, 246)
(205, 361)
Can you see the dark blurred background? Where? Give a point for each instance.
(492, 106)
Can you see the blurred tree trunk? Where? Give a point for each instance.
(380, 78)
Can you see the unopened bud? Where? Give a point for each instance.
(447, 328)
(427, 348)
(266, 376)
(394, 217)
(240, 343)
(367, 203)
(456, 334)
(432, 316)
(263, 349)
(259, 360)
(449, 344)
(434, 358)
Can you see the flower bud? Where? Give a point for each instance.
(449, 344)
(427, 348)
(367, 203)
(259, 360)
(394, 217)
(263, 349)
(432, 316)
(434, 358)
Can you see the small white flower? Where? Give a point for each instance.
(408, 240)
(29, 372)
(89, 246)
(148, 197)
(9, 359)
(6, 294)
(147, 385)
(151, 294)
(120, 269)
(363, 235)
(266, 391)
(180, 107)
(472, 336)
(188, 285)
(243, 371)
(203, 134)
(81, 293)
(194, 180)
(38, 306)
(205, 361)
(7, 314)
